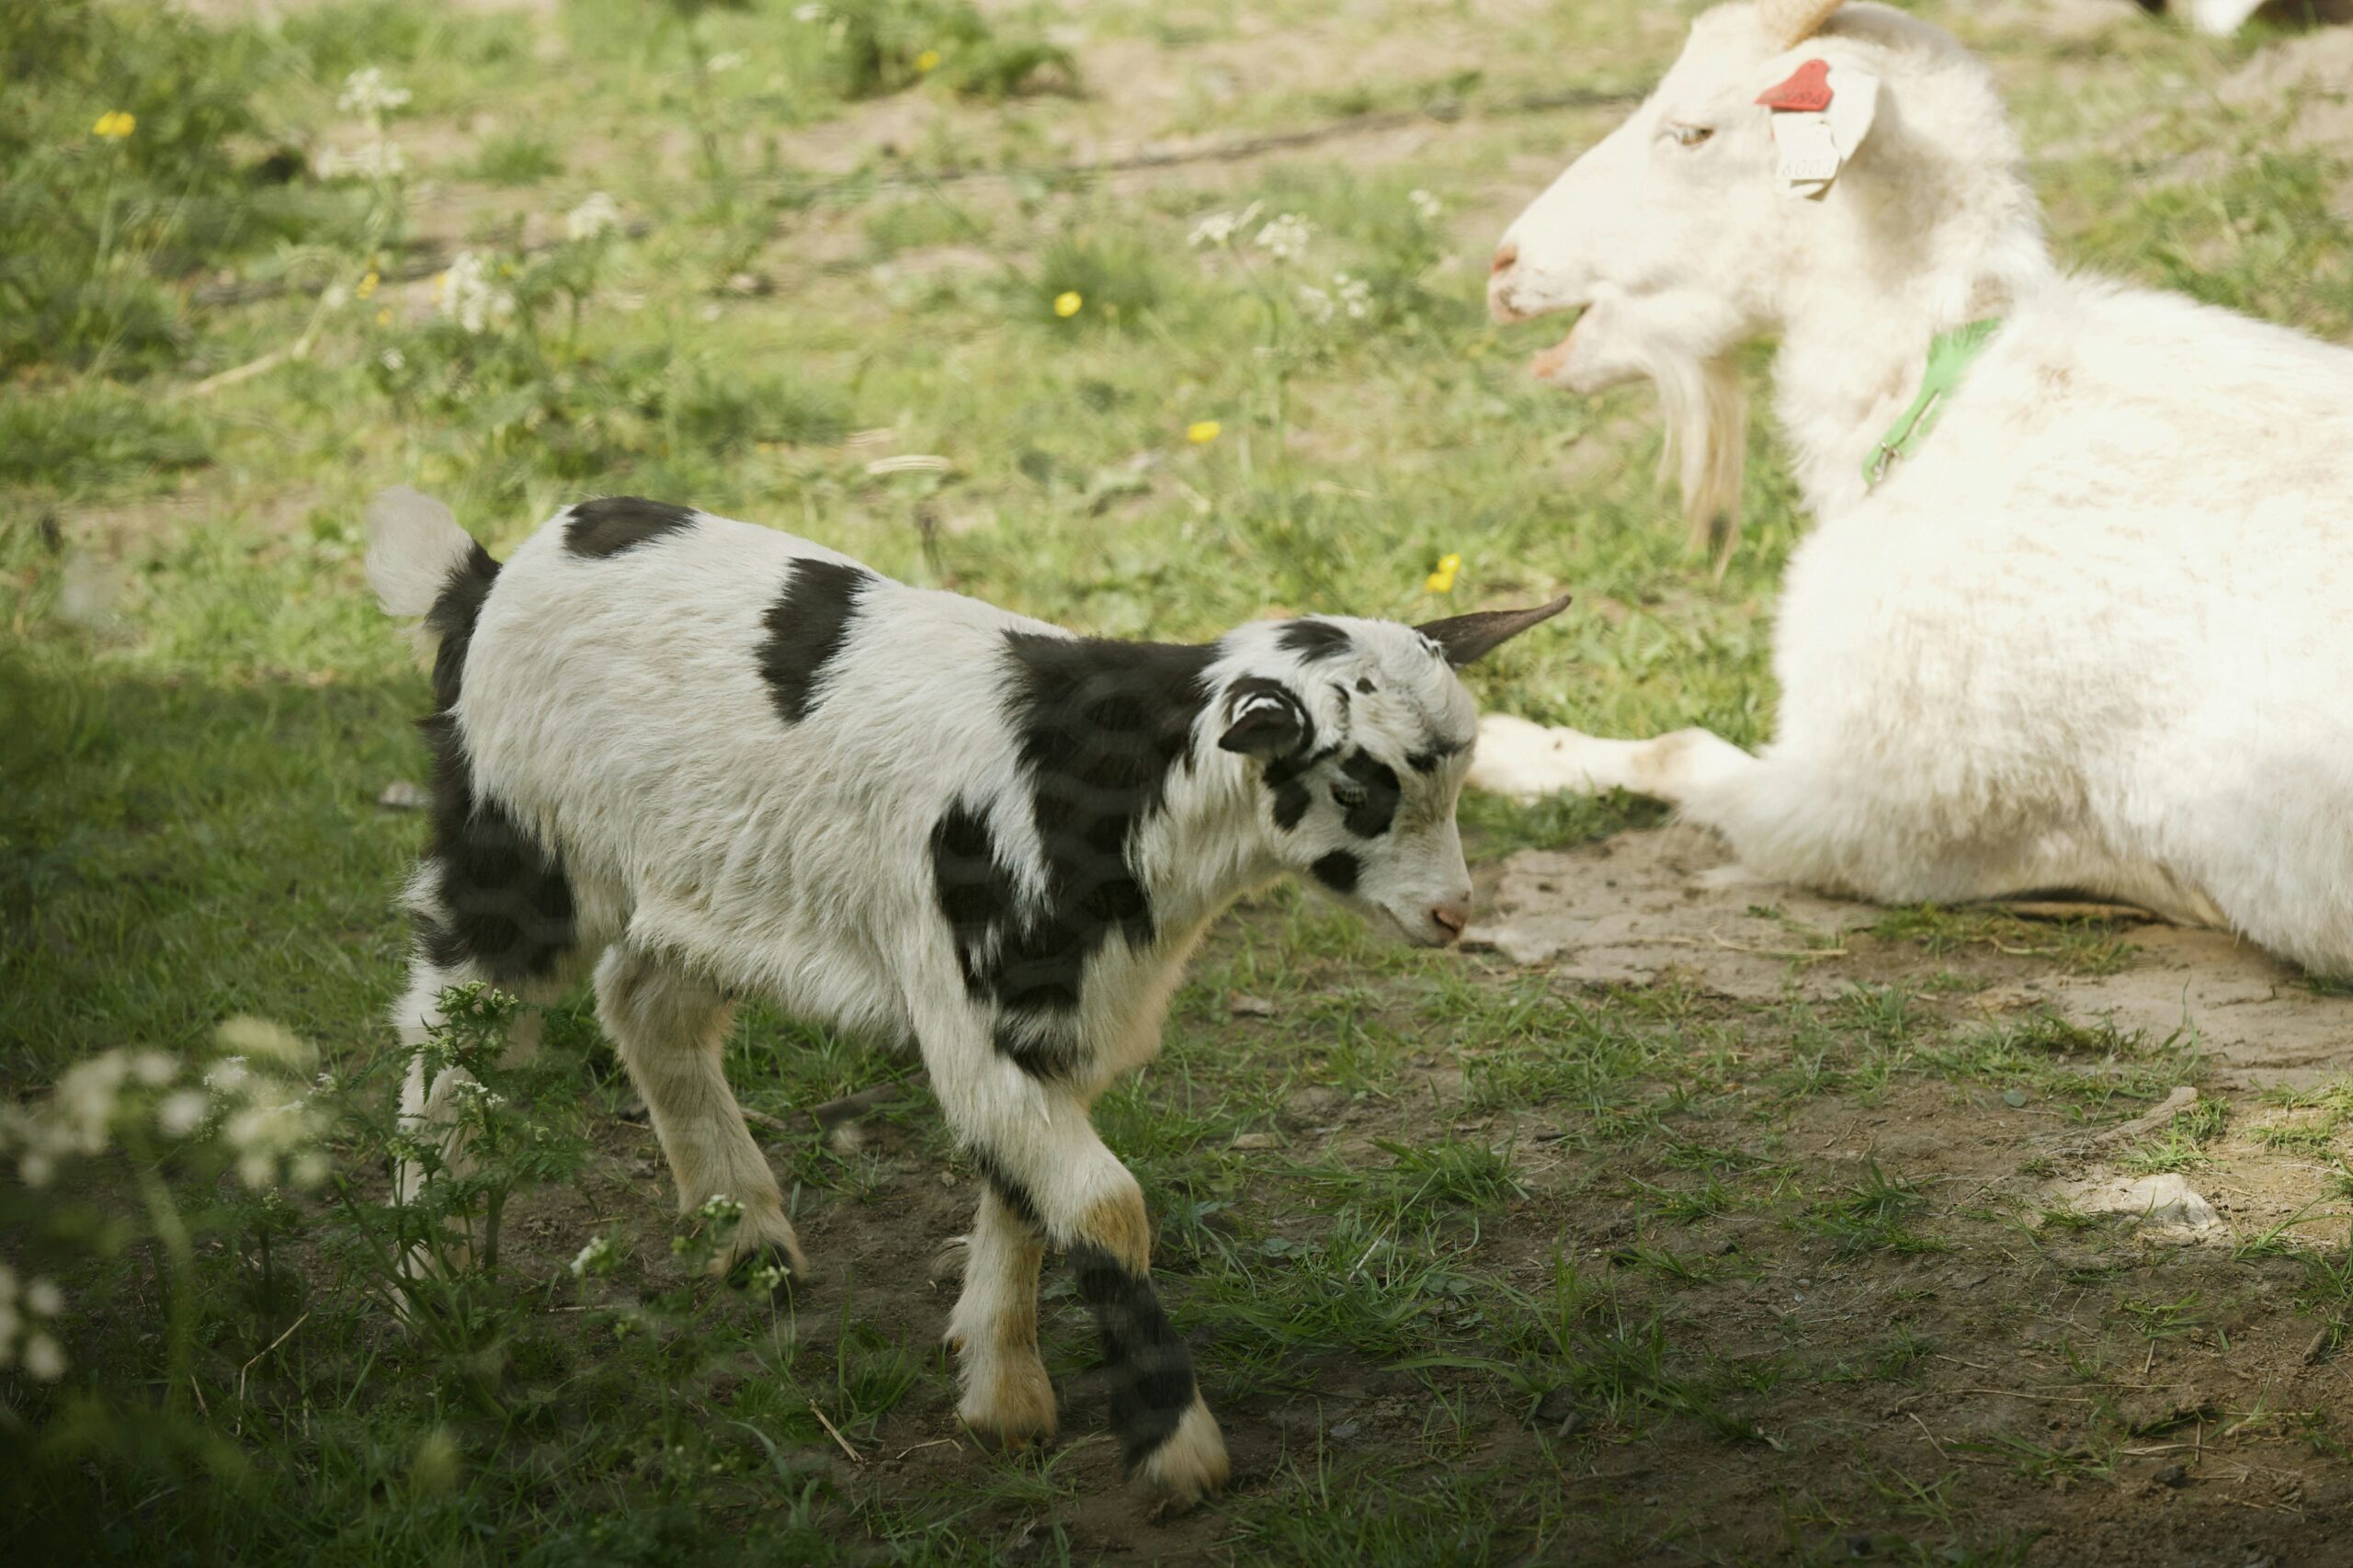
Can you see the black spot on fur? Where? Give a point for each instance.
(1337, 871)
(1371, 817)
(1315, 641)
(1009, 1191)
(1150, 1371)
(1285, 780)
(605, 528)
(1364, 685)
(1102, 727)
(806, 627)
(504, 900)
(1428, 761)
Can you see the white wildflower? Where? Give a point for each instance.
(1314, 304)
(721, 1207)
(393, 360)
(468, 296)
(182, 1112)
(1355, 295)
(82, 1108)
(1219, 227)
(154, 1067)
(269, 1042)
(44, 1362)
(481, 1094)
(269, 1131)
(228, 1076)
(598, 214)
(365, 91)
(1286, 236)
(23, 1341)
(375, 160)
(597, 1257)
(1426, 206)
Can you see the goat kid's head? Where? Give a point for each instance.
(1681, 234)
(1359, 735)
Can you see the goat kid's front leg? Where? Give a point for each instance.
(670, 1027)
(1050, 1180)
(1528, 761)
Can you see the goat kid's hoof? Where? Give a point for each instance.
(1009, 1404)
(1191, 1464)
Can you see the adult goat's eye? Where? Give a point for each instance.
(1348, 794)
(1690, 135)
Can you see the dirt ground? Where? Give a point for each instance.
(2089, 1370)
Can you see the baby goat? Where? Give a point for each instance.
(709, 759)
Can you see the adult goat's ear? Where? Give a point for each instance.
(1264, 720)
(1464, 639)
(1820, 113)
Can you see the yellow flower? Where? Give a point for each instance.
(1201, 432)
(384, 317)
(115, 124)
(1442, 580)
(366, 290)
(929, 60)
(1067, 302)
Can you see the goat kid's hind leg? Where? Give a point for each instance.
(429, 1101)
(670, 1028)
(1007, 1397)
(1528, 761)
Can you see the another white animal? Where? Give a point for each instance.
(2094, 629)
(709, 759)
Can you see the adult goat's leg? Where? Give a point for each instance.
(1526, 761)
(671, 1027)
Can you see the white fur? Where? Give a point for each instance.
(413, 546)
(2092, 634)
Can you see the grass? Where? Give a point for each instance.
(1469, 1255)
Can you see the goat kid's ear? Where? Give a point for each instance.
(1820, 118)
(1465, 639)
(1264, 721)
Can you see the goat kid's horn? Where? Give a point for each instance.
(1789, 23)
(1465, 638)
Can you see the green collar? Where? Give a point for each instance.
(1949, 357)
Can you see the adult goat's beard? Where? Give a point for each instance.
(1704, 405)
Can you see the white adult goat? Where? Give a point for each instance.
(2095, 632)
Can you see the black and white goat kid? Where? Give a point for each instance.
(710, 760)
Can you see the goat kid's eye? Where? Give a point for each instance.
(1689, 135)
(1347, 796)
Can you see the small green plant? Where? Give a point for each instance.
(885, 46)
(1875, 1215)
(515, 157)
(2182, 1145)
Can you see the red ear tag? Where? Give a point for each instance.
(1807, 91)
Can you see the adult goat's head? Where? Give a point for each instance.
(1689, 230)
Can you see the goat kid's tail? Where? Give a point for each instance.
(417, 551)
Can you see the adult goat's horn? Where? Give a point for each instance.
(1790, 22)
